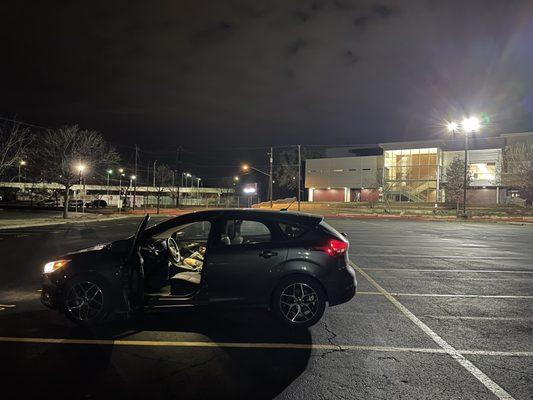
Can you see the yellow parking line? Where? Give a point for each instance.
(281, 346)
(496, 389)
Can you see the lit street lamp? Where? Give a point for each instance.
(246, 168)
(469, 125)
(186, 175)
(21, 164)
(81, 168)
(121, 174)
(109, 172)
(133, 179)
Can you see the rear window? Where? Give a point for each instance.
(292, 231)
(331, 229)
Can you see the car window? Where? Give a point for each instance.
(292, 231)
(195, 231)
(198, 230)
(240, 231)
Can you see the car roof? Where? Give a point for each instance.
(244, 213)
(287, 216)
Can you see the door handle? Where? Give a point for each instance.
(267, 254)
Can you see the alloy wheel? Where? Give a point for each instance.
(85, 300)
(298, 302)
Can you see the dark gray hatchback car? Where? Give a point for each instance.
(290, 263)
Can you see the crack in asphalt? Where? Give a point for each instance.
(330, 339)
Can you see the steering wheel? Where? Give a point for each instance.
(173, 251)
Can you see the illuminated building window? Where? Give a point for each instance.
(483, 171)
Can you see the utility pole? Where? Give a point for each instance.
(299, 174)
(135, 186)
(155, 162)
(180, 171)
(270, 175)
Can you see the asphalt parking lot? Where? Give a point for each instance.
(444, 310)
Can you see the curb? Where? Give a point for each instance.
(428, 218)
(63, 222)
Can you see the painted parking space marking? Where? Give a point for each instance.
(5, 306)
(496, 389)
(455, 257)
(480, 271)
(476, 318)
(244, 345)
(473, 296)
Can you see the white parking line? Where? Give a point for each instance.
(474, 318)
(455, 257)
(480, 271)
(241, 345)
(473, 296)
(452, 351)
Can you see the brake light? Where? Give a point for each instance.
(333, 247)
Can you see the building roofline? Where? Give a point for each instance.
(415, 143)
(516, 134)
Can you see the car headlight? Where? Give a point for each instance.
(54, 265)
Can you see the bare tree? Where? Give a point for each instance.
(163, 180)
(61, 152)
(15, 140)
(518, 169)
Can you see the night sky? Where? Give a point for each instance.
(254, 73)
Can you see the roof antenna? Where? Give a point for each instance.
(289, 206)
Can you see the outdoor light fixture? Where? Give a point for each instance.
(452, 126)
(471, 124)
(245, 167)
(133, 177)
(121, 170)
(22, 162)
(109, 171)
(81, 168)
(236, 178)
(249, 190)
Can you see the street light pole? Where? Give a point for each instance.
(155, 162)
(469, 126)
(270, 175)
(134, 179)
(109, 172)
(120, 175)
(299, 174)
(465, 175)
(21, 163)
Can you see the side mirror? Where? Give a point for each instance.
(344, 234)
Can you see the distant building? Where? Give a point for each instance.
(410, 171)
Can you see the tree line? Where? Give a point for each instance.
(57, 155)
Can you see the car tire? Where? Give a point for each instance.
(86, 300)
(298, 301)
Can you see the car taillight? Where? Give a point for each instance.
(333, 247)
